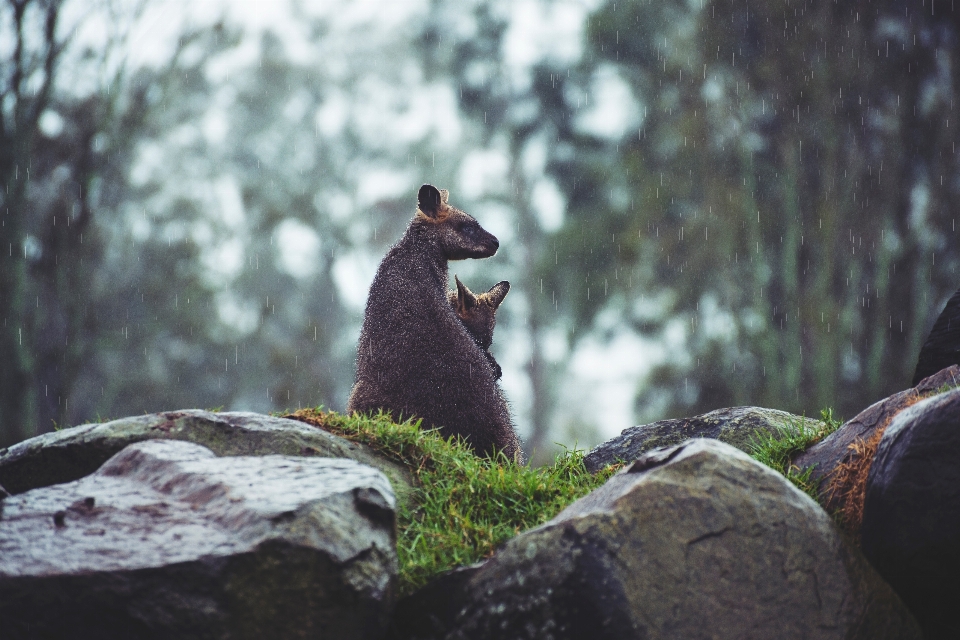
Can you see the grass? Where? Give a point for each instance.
(464, 505)
(942, 389)
(777, 450)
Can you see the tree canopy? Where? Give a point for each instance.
(763, 189)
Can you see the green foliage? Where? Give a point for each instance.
(464, 505)
(105, 299)
(944, 388)
(777, 451)
(118, 294)
(750, 190)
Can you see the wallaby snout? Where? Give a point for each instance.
(471, 241)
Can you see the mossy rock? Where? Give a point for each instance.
(736, 426)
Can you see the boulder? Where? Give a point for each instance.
(911, 512)
(166, 540)
(693, 541)
(736, 426)
(431, 611)
(942, 347)
(841, 462)
(69, 454)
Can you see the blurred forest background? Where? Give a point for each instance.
(700, 203)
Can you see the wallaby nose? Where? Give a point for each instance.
(494, 243)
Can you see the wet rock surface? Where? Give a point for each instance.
(941, 349)
(694, 541)
(841, 461)
(69, 454)
(734, 426)
(431, 611)
(166, 540)
(911, 513)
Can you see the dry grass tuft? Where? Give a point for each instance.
(847, 483)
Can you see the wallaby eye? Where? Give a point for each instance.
(468, 230)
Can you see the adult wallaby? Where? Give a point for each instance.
(478, 313)
(415, 358)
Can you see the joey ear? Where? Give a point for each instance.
(465, 298)
(444, 196)
(428, 200)
(497, 293)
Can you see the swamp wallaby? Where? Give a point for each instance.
(415, 358)
(478, 313)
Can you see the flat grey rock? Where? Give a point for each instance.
(166, 540)
(69, 454)
(736, 426)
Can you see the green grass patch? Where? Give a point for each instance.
(941, 389)
(464, 505)
(777, 450)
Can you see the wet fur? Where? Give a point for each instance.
(415, 357)
(478, 313)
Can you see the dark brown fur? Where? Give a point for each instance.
(415, 358)
(478, 313)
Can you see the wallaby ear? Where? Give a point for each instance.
(428, 200)
(465, 298)
(444, 196)
(497, 293)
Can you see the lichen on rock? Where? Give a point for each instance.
(736, 426)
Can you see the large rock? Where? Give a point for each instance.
(694, 541)
(430, 612)
(69, 454)
(911, 514)
(841, 462)
(942, 347)
(736, 426)
(166, 540)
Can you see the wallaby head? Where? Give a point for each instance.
(456, 233)
(478, 312)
